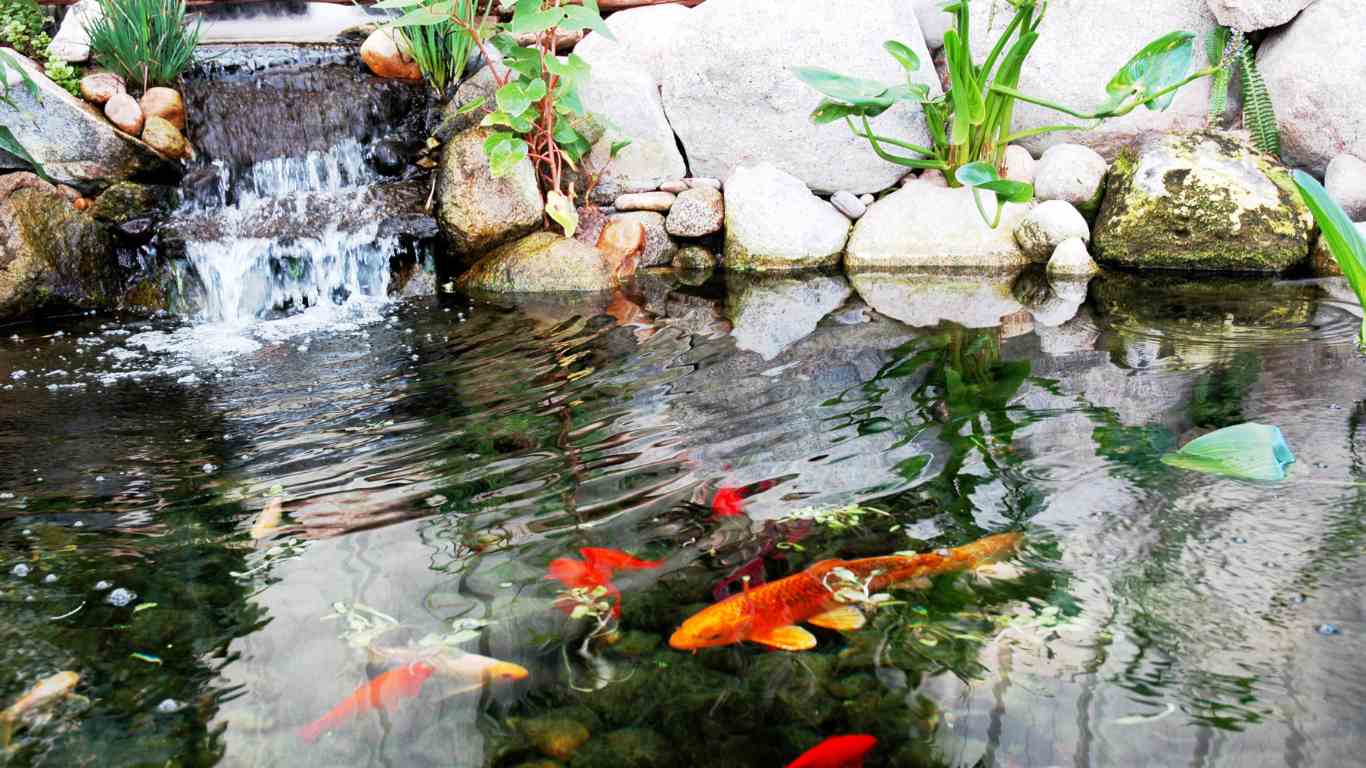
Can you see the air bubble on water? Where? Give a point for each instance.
(51, 578)
(6, 495)
(121, 597)
(102, 585)
(78, 524)
(1299, 599)
(208, 468)
(169, 706)
(99, 478)
(21, 570)
(17, 375)
(1239, 540)
(1328, 629)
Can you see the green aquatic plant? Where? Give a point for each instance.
(1337, 230)
(971, 124)
(146, 42)
(837, 519)
(1229, 50)
(442, 47)
(21, 28)
(1249, 451)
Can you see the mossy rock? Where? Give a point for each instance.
(635, 644)
(124, 201)
(1201, 201)
(553, 735)
(792, 686)
(626, 748)
(542, 262)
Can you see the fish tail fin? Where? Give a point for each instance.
(310, 733)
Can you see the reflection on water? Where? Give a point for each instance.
(226, 547)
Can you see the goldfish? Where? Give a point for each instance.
(471, 669)
(730, 501)
(769, 614)
(596, 570)
(382, 692)
(44, 692)
(837, 752)
(269, 520)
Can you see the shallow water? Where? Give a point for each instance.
(431, 458)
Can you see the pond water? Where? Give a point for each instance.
(227, 531)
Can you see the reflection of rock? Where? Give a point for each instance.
(771, 313)
(1076, 335)
(1214, 304)
(925, 299)
(923, 225)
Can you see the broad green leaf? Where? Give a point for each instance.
(519, 123)
(529, 18)
(572, 70)
(582, 17)
(517, 96)
(561, 209)
(617, 147)
(1160, 64)
(976, 174)
(1010, 191)
(423, 17)
(851, 90)
(504, 151)
(1344, 241)
(1247, 451)
(567, 99)
(520, 59)
(903, 54)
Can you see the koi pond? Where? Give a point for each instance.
(441, 532)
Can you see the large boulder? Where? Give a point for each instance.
(1345, 181)
(731, 96)
(476, 210)
(644, 40)
(1317, 113)
(924, 225)
(774, 222)
(72, 42)
(1252, 15)
(628, 98)
(770, 313)
(51, 255)
(542, 262)
(1064, 70)
(934, 22)
(71, 140)
(1206, 201)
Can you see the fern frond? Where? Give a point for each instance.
(1222, 47)
(1259, 116)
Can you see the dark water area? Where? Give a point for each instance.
(225, 534)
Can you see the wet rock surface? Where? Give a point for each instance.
(542, 262)
(922, 225)
(477, 211)
(770, 313)
(772, 221)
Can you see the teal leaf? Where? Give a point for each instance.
(903, 54)
(859, 96)
(1160, 64)
(982, 175)
(1344, 241)
(1247, 451)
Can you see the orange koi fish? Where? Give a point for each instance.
(46, 691)
(837, 752)
(471, 670)
(380, 693)
(769, 614)
(729, 501)
(596, 570)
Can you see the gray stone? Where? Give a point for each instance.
(675, 186)
(1069, 65)
(99, 87)
(644, 38)
(697, 213)
(542, 262)
(1071, 259)
(923, 225)
(1047, 225)
(628, 97)
(72, 141)
(1345, 181)
(867, 199)
(659, 202)
(1252, 15)
(703, 181)
(123, 111)
(695, 258)
(659, 247)
(477, 211)
(732, 98)
(72, 42)
(934, 22)
(1020, 165)
(774, 222)
(848, 204)
(1312, 69)
(1201, 201)
(926, 298)
(481, 86)
(768, 314)
(1071, 173)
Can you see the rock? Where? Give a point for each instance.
(703, 181)
(923, 225)
(51, 255)
(1321, 260)
(72, 42)
(770, 313)
(387, 56)
(1071, 259)
(1345, 181)
(1071, 173)
(539, 263)
(732, 99)
(626, 748)
(848, 204)
(1201, 201)
(73, 141)
(933, 178)
(675, 186)
(1020, 165)
(659, 248)
(477, 211)
(694, 258)
(125, 201)
(1064, 70)
(659, 202)
(124, 113)
(100, 87)
(165, 138)
(386, 157)
(622, 242)
(70, 193)
(1252, 15)
(644, 40)
(557, 737)
(934, 22)
(481, 86)
(774, 222)
(628, 97)
(1048, 224)
(592, 220)
(696, 213)
(867, 199)
(166, 104)
(1317, 121)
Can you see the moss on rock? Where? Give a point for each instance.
(124, 201)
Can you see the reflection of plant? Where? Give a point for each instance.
(146, 42)
(363, 624)
(1229, 50)
(970, 125)
(837, 519)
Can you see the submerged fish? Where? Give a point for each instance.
(269, 520)
(769, 614)
(470, 669)
(596, 569)
(44, 692)
(382, 692)
(837, 752)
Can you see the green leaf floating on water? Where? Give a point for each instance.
(1248, 451)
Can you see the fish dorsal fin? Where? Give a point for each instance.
(845, 618)
(788, 638)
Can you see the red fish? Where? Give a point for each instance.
(730, 502)
(380, 693)
(596, 570)
(837, 752)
